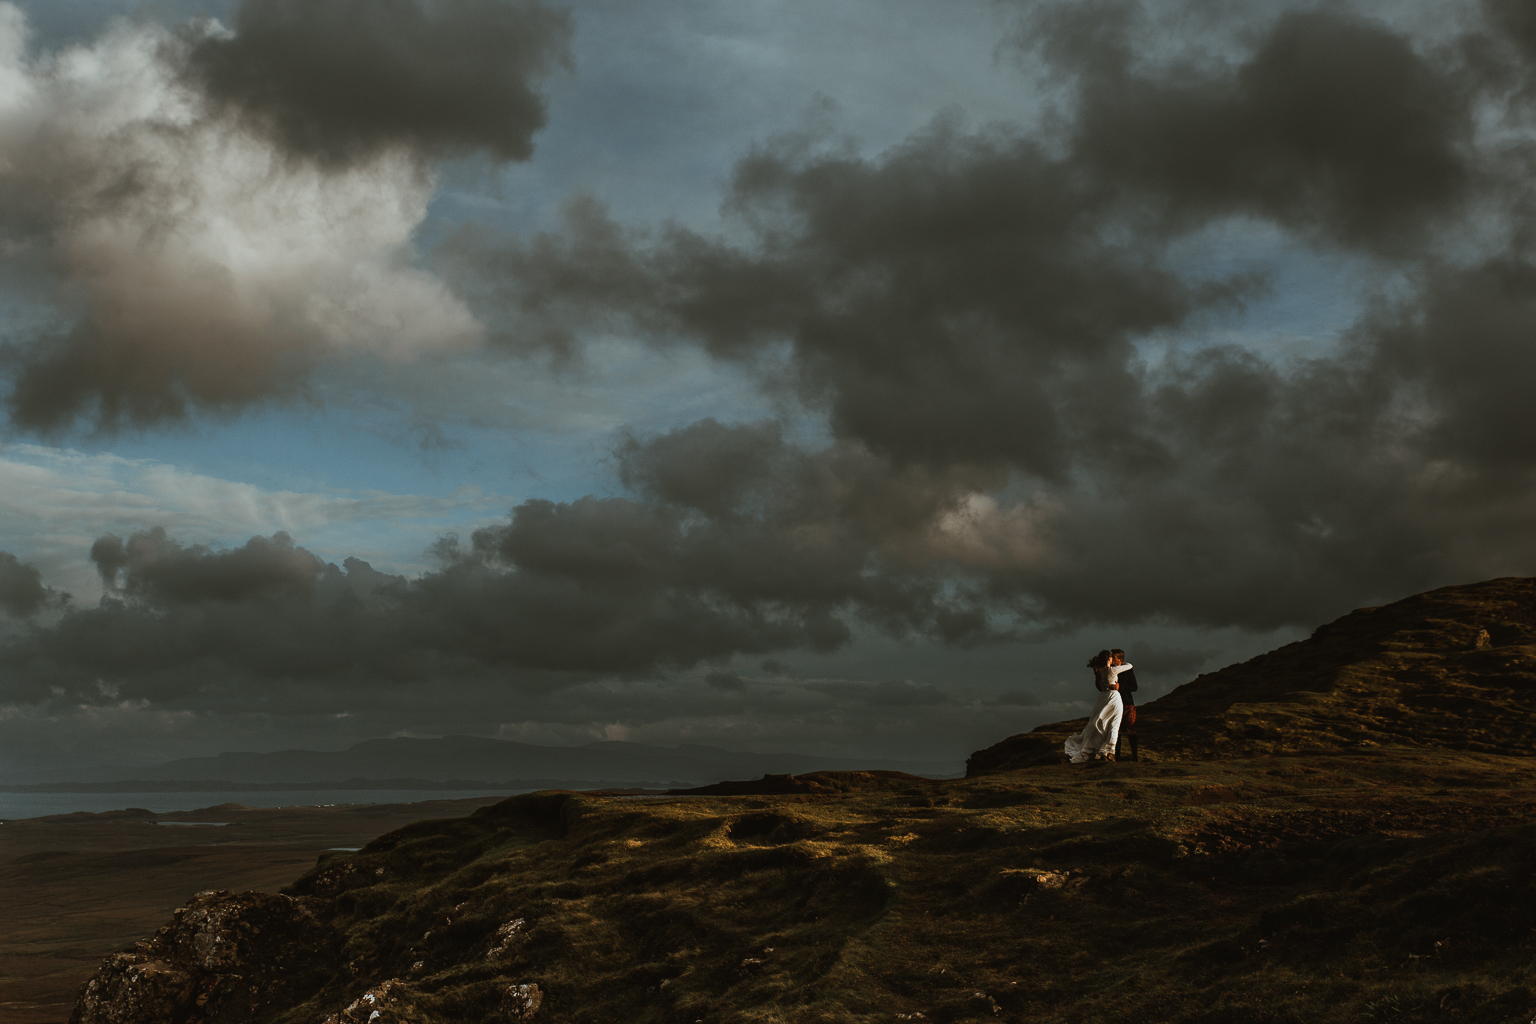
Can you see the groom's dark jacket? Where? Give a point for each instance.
(1127, 681)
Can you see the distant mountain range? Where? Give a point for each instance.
(453, 762)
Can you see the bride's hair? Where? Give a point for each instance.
(1099, 660)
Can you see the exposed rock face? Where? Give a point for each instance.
(521, 1002)
(383, 1004)
(1454, 668)
(131, 988)
(223, 958)
(349, 944)
(395, 1002)
(505, 936)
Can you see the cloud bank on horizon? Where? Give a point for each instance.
(1007, 402)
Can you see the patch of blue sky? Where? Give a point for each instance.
(665, 98)
(511, 423)
(54, 502)
(59, 24)
(381, 464)
(1300, 303)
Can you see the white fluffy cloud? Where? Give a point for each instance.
(55, 502)
(201, 264)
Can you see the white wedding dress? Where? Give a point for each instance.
(1103, 728)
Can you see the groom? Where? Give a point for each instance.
(1128, 700)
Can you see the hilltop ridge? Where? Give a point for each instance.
(1453, 668)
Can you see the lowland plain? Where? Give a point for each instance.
(1337, 831)
(75, 887)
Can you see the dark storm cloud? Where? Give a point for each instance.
(956, 301)
(1514, 25)
(160, 572)
(966, 309)
(728, 681)
(119, 373)
(340, 80)
(884, 694)
(708, 466)
(1155, 659)
(1465, 346)
(971, 302)
(22, 593)
(969, 296)
(1333, 125)
(769, 556)
(1289, 498)
(792, 551)
(183, 621)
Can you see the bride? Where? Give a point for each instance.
(1098, 737)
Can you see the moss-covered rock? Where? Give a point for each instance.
(222, 958)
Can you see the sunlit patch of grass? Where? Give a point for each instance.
(1319, 889)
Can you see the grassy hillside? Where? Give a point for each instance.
(1390, 885)
(1453, 669)
(1384, 874)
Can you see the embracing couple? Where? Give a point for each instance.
(1100, 738)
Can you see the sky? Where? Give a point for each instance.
(833, 377)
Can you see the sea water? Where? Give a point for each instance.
(36, 805)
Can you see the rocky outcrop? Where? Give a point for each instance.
(395, 1002)
(250, 957)
(521, 1002)
(224, 957)
(389, 1003)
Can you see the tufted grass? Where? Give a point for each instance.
(1385, 885)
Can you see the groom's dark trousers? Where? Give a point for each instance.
(1127, 681)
